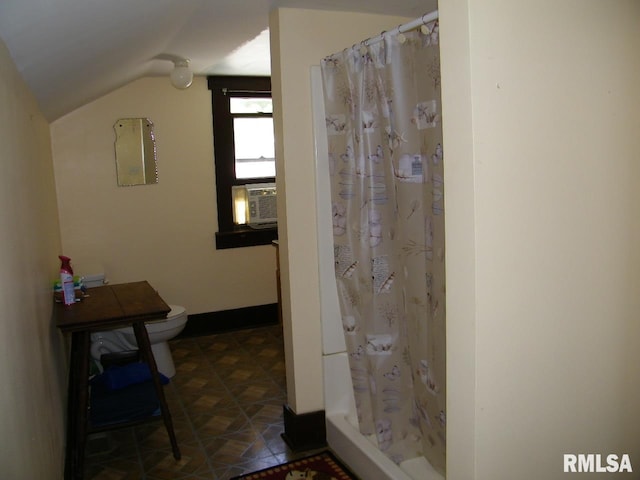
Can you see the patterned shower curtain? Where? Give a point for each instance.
(383, 116)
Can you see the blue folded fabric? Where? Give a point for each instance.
(118, 377)
(109, 407)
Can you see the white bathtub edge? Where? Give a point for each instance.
(358, 453)
(366, 461)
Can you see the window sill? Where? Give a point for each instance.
(245, 237)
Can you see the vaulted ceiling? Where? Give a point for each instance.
(70, 52)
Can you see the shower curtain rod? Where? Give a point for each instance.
(426, 18)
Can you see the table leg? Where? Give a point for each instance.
(144, 345)
(77, 406)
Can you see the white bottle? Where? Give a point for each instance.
(66, 280)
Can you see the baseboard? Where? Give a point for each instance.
(229, 320)
(306, 431)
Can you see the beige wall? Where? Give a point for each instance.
(299, 39)
(32, 366)
(163, 233)
(541, 110)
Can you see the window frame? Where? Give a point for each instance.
(222, 88)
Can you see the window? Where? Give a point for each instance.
(253, 137)
(244, 152)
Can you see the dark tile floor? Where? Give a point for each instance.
(226, 402)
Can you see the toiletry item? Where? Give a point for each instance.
(66, 279)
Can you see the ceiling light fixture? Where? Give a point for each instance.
(181, 76)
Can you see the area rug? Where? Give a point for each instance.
(322, 466)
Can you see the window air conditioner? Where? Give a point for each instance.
(255, 205)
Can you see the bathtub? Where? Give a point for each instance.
(358, 452)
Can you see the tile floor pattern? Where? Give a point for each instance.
(226, 403)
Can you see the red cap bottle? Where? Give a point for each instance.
(66, 279)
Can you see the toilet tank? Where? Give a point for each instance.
(95, 280)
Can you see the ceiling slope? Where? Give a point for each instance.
(70, 52)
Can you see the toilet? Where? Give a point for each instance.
(123, 339)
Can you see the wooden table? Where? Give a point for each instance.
(106, 307)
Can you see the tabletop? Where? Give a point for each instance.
(111, 306)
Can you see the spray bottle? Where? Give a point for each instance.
(66, 279)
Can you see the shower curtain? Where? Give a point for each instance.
(383, 117)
